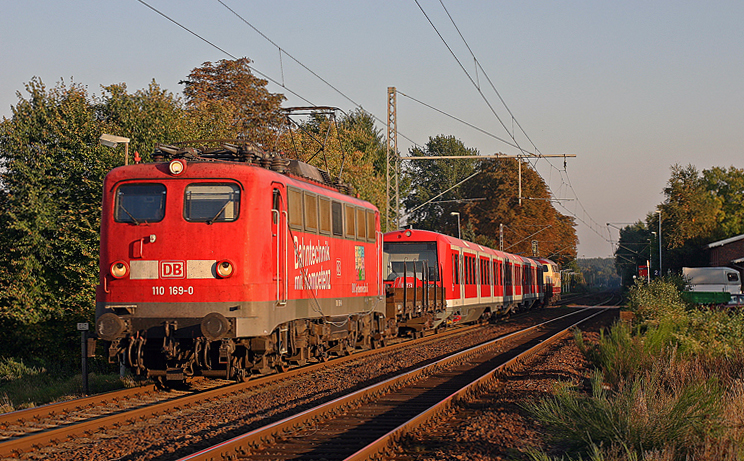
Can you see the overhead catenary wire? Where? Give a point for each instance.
(592, 224)
(253, 68)
(475, 82)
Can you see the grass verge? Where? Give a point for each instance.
(667, 387)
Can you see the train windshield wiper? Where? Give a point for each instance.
(136, 223)
(210, 221)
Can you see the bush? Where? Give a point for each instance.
(10, 370)
(668, 387)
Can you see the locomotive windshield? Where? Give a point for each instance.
(211, 203)
(140, 203)
(400, 256)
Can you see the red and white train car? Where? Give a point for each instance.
(225, 268)
(477, 281)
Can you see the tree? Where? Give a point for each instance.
(346, 149)
(229, 87)
(534, 220)
(53, 170)
(727, 186)
(430, 178)
(633, 250)
(689, 211)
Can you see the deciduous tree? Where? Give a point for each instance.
(229, 86)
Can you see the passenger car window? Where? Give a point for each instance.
(211, 203)
(140, 203)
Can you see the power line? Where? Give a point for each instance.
(591, 225)
(220, 49)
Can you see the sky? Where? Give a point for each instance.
(631, 88)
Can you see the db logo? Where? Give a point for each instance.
(172, 270)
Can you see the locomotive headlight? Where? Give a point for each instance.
(225, 269)
(119, 269)
(176, 167)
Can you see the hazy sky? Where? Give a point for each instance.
(630, 87)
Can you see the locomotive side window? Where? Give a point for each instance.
(211, 203)
(361, 227)
(311, 212)
(350, 221)
(338, 219)
(140, 203)
(294, 197)
(371, 226)
(324, 206)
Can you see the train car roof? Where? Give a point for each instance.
(420, 234)
(201, 170)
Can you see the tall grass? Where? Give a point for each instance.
(23, 386)
(668, 387)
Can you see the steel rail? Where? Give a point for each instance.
(39, 438)
(384, 443)
(242, 445)
(53, 409)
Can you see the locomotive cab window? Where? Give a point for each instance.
(140, 203)
(211, 203)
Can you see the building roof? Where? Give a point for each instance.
(721, 243)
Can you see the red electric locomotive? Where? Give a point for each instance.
(475, 282)
(226, 261)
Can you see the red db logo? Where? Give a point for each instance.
(172, 270)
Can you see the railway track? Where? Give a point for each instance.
(601, 298)
(152, 424)
(364, 424)
(26, 431)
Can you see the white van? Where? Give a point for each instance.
(712, 279)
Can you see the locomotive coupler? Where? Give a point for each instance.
(227, 347)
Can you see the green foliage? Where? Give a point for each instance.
(430, 178)
(667, 386)
(699, 208)
(11, 370)
(599, 273)
(230, 87)
(656, 301)
(633, 250)
(642, 414)
(50, 201)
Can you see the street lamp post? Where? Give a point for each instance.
(660, 271)
(109, 140)
(455, 213)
